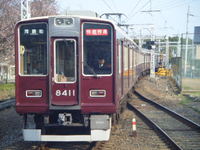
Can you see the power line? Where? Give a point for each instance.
(140, 9)
(173, 5)
(135, 6)
(193, 1)
(113, 2)
(108, 5)
(165, 3)
(150, 10)
(130, 16)
(196, 16)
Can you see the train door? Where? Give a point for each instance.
(64, 72)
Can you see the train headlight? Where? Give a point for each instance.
(59, 21)
(33, 93)
(97, 93)
(64, 21)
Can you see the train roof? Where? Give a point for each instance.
(81, 17)
(77, 16)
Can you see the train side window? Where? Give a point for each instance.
(131, 61)
(134, 55)
(125, 59)
(137, 59)
(33, 49)
(65, 61)
(120, 56)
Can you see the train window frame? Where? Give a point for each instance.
(82, 49)
(18, 51)
(75, 64)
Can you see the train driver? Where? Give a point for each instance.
(101, 66)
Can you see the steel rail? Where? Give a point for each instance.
(153, 125)
(171, 112)
(7, 103)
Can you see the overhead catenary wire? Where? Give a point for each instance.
(171, 5)
(165, 3)
(135, 6)
(196, 16)
(141, 8)
(107, 5)
(114, 5)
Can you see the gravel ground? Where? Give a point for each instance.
(185, 136)
(11, 131)
(163, 90)
(121, 137)
(10, 127)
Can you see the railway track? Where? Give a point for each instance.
(178, 132)
(7, 103)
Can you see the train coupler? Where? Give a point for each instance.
(65, 119)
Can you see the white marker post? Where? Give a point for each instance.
(134, 127)
(152, 64)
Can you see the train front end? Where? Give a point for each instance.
(65, 78)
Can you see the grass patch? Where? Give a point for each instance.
(195, 109)
(7, 91)
(191, 94)
(196, 94)
(184, 100)
(187, 88)
(187, 101)
(8, 86)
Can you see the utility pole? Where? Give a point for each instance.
(186, 44)
(152, 29)
(25, 11)
(179, 46)
(167, 51)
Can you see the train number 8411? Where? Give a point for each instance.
(65, 92)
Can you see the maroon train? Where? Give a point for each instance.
(71, 75)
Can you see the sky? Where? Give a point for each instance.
(170, 17)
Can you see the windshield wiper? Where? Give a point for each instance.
(91, 70)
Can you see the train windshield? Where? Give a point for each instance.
(33, 49)
(97, 49)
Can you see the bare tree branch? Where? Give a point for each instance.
(10, 14)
